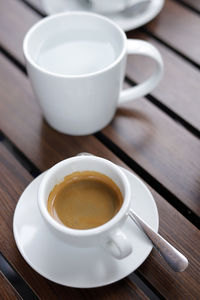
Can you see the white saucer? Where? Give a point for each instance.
(75, 267)
(127, 20)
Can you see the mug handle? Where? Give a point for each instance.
(118, 245)
(142, 89)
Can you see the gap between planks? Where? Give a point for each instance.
(186, 4)
(152, 35)
(173, 115)
(154, 183)
(157, 186)
(16, 281)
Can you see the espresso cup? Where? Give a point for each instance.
(76, 63)
(110, 235)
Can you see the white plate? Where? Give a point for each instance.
(75, 267)
(127, 20)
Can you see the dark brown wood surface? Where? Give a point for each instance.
(161, 145)
(179, 28)
(15, 22)
(7, 292)
(179, 87)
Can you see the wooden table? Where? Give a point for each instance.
(156, 137)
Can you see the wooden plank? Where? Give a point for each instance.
(173, 226)
(178, 27)
(7, 292)
(13, 180)
(171, 91)
(12, 13)
(168, 157)
(179, 88)
(162, 147)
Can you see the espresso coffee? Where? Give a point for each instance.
(84, 200)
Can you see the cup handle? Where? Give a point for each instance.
(142, 89)
(118, 245)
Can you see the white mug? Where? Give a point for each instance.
(110, 235)
(113, 6)
(83, 98)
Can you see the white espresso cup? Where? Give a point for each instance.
(110, 235)
(76, 63)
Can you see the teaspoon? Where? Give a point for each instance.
(176, 260)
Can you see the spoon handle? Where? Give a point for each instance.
(177, 261)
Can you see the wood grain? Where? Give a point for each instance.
(7, 292)
(14, 180)
(179, 88)
(178, 27)
(173, 226)
(12, 13)
(163, 148)
(165, 155)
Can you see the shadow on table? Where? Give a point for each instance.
(133, 127)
